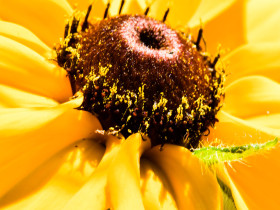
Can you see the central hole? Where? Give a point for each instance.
(151, 40)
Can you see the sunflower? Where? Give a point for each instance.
(53, 155)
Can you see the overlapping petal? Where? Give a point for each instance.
(207, 10)
(15, 98)
(113, 178)
(262, 29)
(252, 96)
(156, 189)
(117, 176)
(193, 185)
(119, 173)
(253, 59)
(180, 12)
(99, 7)
(57, 180)
(268, 120)
(231, 130)
(34, 135)
(223, 24)
(44, 18)
(254, 180)
(129, 7)
(80, 4)
(25, 37)
(25, 69)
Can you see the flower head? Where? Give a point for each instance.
(139, 75)
(51, 154)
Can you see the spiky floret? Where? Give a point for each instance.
(139, 75)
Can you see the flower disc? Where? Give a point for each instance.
(139, 75)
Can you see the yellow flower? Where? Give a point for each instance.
(51, 157)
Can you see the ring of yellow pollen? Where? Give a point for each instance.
(139, 75)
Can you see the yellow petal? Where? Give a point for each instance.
(129, 7)
(98, 9)
(255, 180)
(25, 69)
(29, 137)
(44, 18)
(253, 59)
(54, 182)
(179, 11)
(207, 10)
(15, 121)
(265, 26)
(114, 7)
(93, 195)
(252, 96)
(219, 25)
(234, 131)
(124, 174)
(116, 182)
(25, 37)
(194, 186)
(80, 4)
(268, 120)
(155, 187)
(14, 98)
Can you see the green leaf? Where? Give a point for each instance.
(211, 155)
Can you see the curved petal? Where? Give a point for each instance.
(25, 69)
(44, 18)
(80, 4)
(129, 7)
(116, 182)
(269, 120)
(98, 9)
(223, 24)
(234, 131)
(207, 10)
(155, 187)
(179, 11)
(124, 174)
(252, 96)
(33, 136)
(54, 182)
(254, 59)
(97, 198)
(194, 186)
(14, 98)
(18, 121)
(25, 37)
(265, 26)
(254, 180)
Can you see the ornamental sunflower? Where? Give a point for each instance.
(167, 150)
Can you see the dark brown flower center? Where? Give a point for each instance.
(139, 75)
